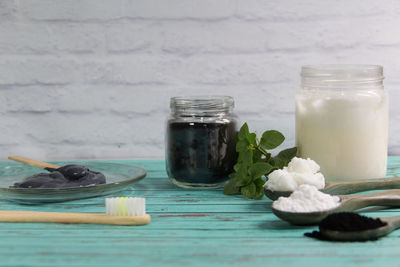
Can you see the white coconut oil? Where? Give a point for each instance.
(342, 120)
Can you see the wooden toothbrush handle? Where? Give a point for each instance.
(34, 163)
(74, 218)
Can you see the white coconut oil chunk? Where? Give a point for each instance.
(299, 171)
(306, 198)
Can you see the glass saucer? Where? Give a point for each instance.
(118, 177)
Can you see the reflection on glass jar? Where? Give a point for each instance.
(342, 120)
(200, 141)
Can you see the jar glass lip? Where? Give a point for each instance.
(342, 76)
(342, 72)
(204, 103)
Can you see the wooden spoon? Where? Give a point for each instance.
(393, 223)
(344, 188)
(34, 163)
(347, 203)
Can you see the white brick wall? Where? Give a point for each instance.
(93, 78)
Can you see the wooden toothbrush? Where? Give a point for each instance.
(34, 163)
(119, 211)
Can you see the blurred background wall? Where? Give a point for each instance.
(93, 78)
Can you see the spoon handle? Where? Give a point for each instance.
(394, 221)
(385, 198)
(344, 188)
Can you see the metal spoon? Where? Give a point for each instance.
(347, 203)
(344, 188)
(393, 223)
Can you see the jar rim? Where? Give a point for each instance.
(204, 103)
(343, 70)
(342, 75)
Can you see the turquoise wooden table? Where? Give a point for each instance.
(188, 228)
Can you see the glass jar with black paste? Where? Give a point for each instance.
(200, 141)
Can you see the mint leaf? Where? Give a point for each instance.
(235, 168)
(246, 157)
(243, 181)
(249, 191)
(259, 183)
(271, 139)
(243, 132)
(242, 172)
(243, 176)
(257, 156)
(277, 162)
(241, 145)
(252, 138)
(284, 157)
(287, 154)
(231, 188)
(260, 168)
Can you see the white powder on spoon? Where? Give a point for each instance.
(306, 198)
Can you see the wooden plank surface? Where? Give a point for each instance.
(188, 228)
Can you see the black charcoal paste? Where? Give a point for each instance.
(346, 222)
(199, 152)
(63, 177)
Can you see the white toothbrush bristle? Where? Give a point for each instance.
(126, 206)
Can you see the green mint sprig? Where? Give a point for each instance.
(254, 162)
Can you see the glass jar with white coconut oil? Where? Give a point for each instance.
(342, 120)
